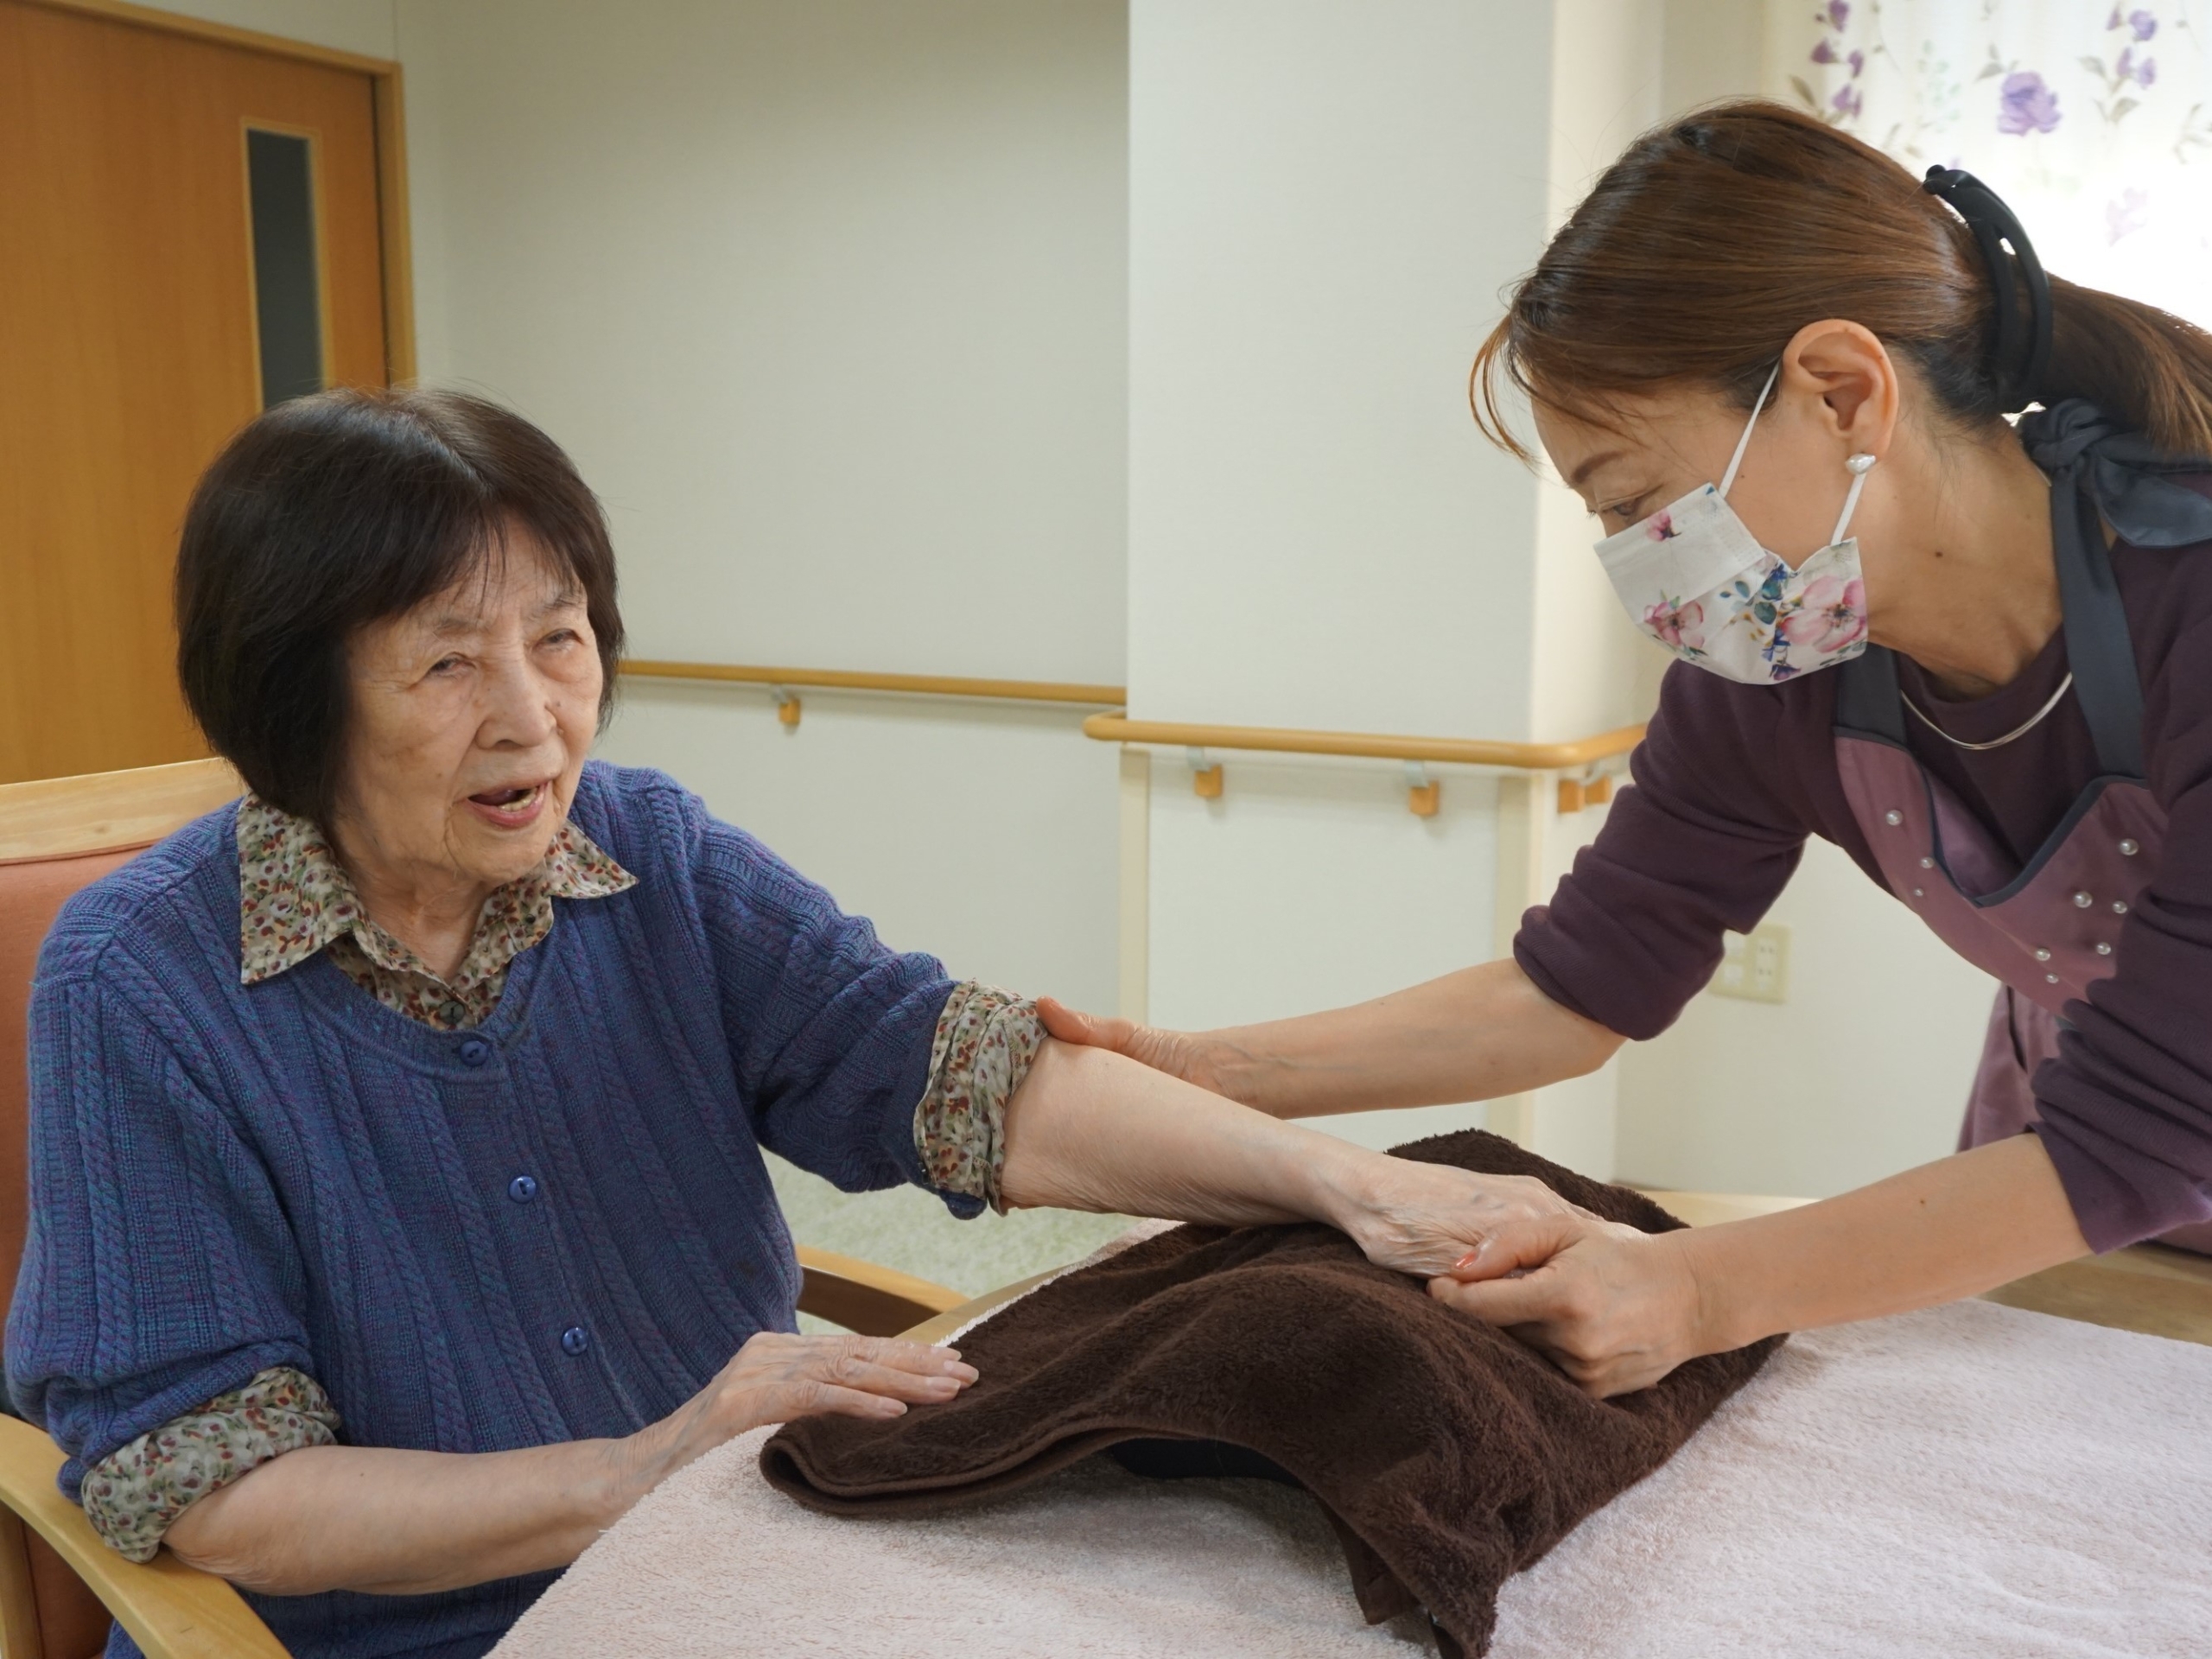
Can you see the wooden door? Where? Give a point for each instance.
(130, 343)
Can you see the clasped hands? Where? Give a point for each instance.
(1614, 1307)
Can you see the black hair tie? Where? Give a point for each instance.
(2023, 350)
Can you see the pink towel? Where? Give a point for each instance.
(1969, 1480)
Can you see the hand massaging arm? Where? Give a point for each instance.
(1617, 1309)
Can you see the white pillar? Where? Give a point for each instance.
(1325, 199)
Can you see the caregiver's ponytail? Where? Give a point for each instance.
(1713, 239)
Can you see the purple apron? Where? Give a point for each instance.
(2047, 931)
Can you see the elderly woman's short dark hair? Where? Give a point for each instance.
(331, 512)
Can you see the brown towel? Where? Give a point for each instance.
(1446, 1454)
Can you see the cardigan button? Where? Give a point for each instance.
(2052, 978)
(575, 1339)
(1893, 817)
(522, 1189)
(2103, 950)
(2084, 901)
(474, 1051)
(2129, 847)
(2042, 954)
(1927, 864)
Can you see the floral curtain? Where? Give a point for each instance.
(2093, 120)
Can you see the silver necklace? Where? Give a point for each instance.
(2021, 730)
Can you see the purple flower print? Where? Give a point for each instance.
(1857, 61)
(2123, 69)
(2115, 20)
(1840, 12)
(1825, 52)
(2142, 22)
(1848, 102)
(2146, 72)
(1662, 527)
(2025, 104)
(2126, 213)
(1678, 627)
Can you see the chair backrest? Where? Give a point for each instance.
(57, 835)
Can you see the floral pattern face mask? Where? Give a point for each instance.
(1696, 579)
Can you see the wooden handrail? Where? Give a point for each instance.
(1116, 727)
(927, 685)
(1457, 751)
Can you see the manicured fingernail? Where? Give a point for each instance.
(965, 1373)
(1468, 1260)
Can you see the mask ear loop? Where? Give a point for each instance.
(1859, 466)
(1728, 478)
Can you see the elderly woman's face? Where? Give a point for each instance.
(471, 715)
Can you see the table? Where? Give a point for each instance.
(1964, 1479)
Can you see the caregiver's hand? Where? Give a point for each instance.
(1614, 1308)
(775, 1377)
(1190, 1056)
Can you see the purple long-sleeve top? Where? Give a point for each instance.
(1732, 778)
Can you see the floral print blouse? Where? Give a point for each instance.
(296, 900)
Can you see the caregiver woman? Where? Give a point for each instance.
(398, 1216)
(1977, 660)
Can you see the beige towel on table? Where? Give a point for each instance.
(1967, 1480)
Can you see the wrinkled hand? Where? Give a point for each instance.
(1614, 1308)
(1424, 1219)
(1179, 1053)
(775, 1377)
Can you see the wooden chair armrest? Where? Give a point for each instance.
(871, 1300)
(172, 1610)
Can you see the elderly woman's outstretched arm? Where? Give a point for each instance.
(1094, 1130)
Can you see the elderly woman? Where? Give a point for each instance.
(398, 1212)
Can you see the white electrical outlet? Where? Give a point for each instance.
(1756, 965)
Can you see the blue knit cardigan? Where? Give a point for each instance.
(228, 1177)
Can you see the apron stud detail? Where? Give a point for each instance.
(2042, 955)
(1893, 817)
(2103, 950)
(2129, 849)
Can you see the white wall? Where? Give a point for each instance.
(365, 26)
(1321, 209)
(1322, 214)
